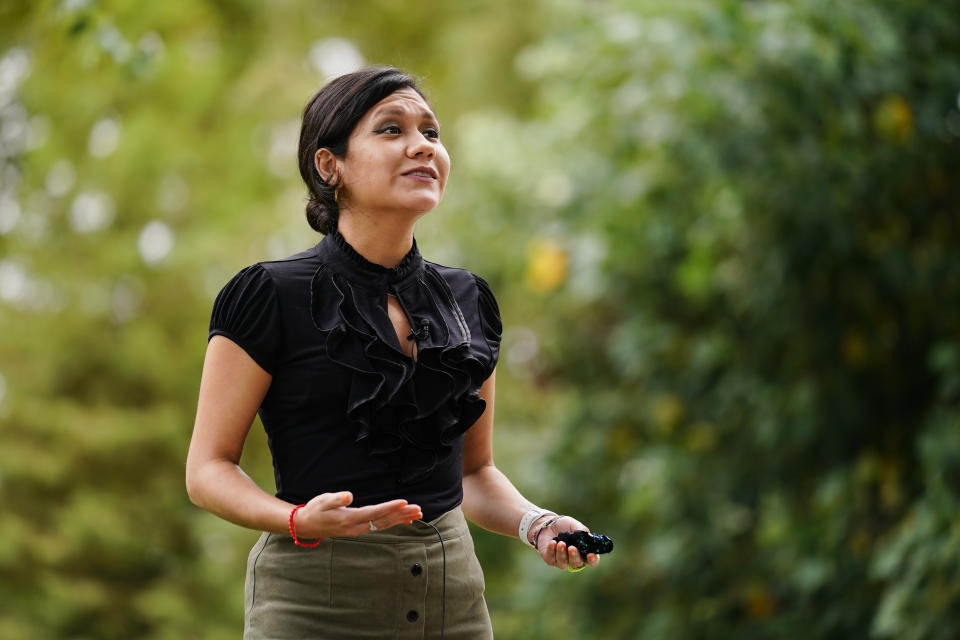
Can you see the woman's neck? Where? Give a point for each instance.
(383, 241)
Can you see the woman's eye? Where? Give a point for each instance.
(431, 133)
(390, 128)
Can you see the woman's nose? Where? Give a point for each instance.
(421, 146)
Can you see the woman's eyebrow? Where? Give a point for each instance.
(395, 111)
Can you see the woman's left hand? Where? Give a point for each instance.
(557, 554)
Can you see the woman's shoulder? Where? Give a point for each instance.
(264, 283)
(292, 268)
(460, 279)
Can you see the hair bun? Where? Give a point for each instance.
(321, 216)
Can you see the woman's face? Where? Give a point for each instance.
(395, 160)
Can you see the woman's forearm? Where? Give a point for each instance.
(491, 501)
(221, 487)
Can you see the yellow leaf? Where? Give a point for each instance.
(546, 265)
(893, 119)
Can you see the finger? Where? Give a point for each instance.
(573, 558)
(549, 553)
(574, 525)
(388, 509)
(562, 556)
(385, 510)
(579, 526)
(593, 559)
(394, 521)
(327, 501)
(377, 511)
(405, 516)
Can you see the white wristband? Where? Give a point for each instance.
(528, 519)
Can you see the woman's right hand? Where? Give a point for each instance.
(329, 515)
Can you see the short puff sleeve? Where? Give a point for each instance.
(489, 320)
(247, 312)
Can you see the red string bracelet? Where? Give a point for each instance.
(293, 530)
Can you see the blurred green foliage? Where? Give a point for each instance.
(723, 236)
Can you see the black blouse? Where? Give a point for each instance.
(347, 409)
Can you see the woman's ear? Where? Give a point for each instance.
(327, 166)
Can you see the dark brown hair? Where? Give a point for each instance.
(328, 120)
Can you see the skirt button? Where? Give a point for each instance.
(412, 616)
(416, 569)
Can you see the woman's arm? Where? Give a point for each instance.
(231, 389)
(491, 501)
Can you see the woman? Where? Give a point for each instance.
(373, 373)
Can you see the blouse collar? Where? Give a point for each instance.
(343, 258)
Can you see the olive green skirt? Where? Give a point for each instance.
(383, 584)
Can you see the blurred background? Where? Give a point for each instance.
(724, 238)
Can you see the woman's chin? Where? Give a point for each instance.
(423, 205)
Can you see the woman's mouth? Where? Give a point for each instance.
(422, 173)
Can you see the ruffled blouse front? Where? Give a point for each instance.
(346, 405)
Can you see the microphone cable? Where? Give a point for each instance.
(443, 593)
